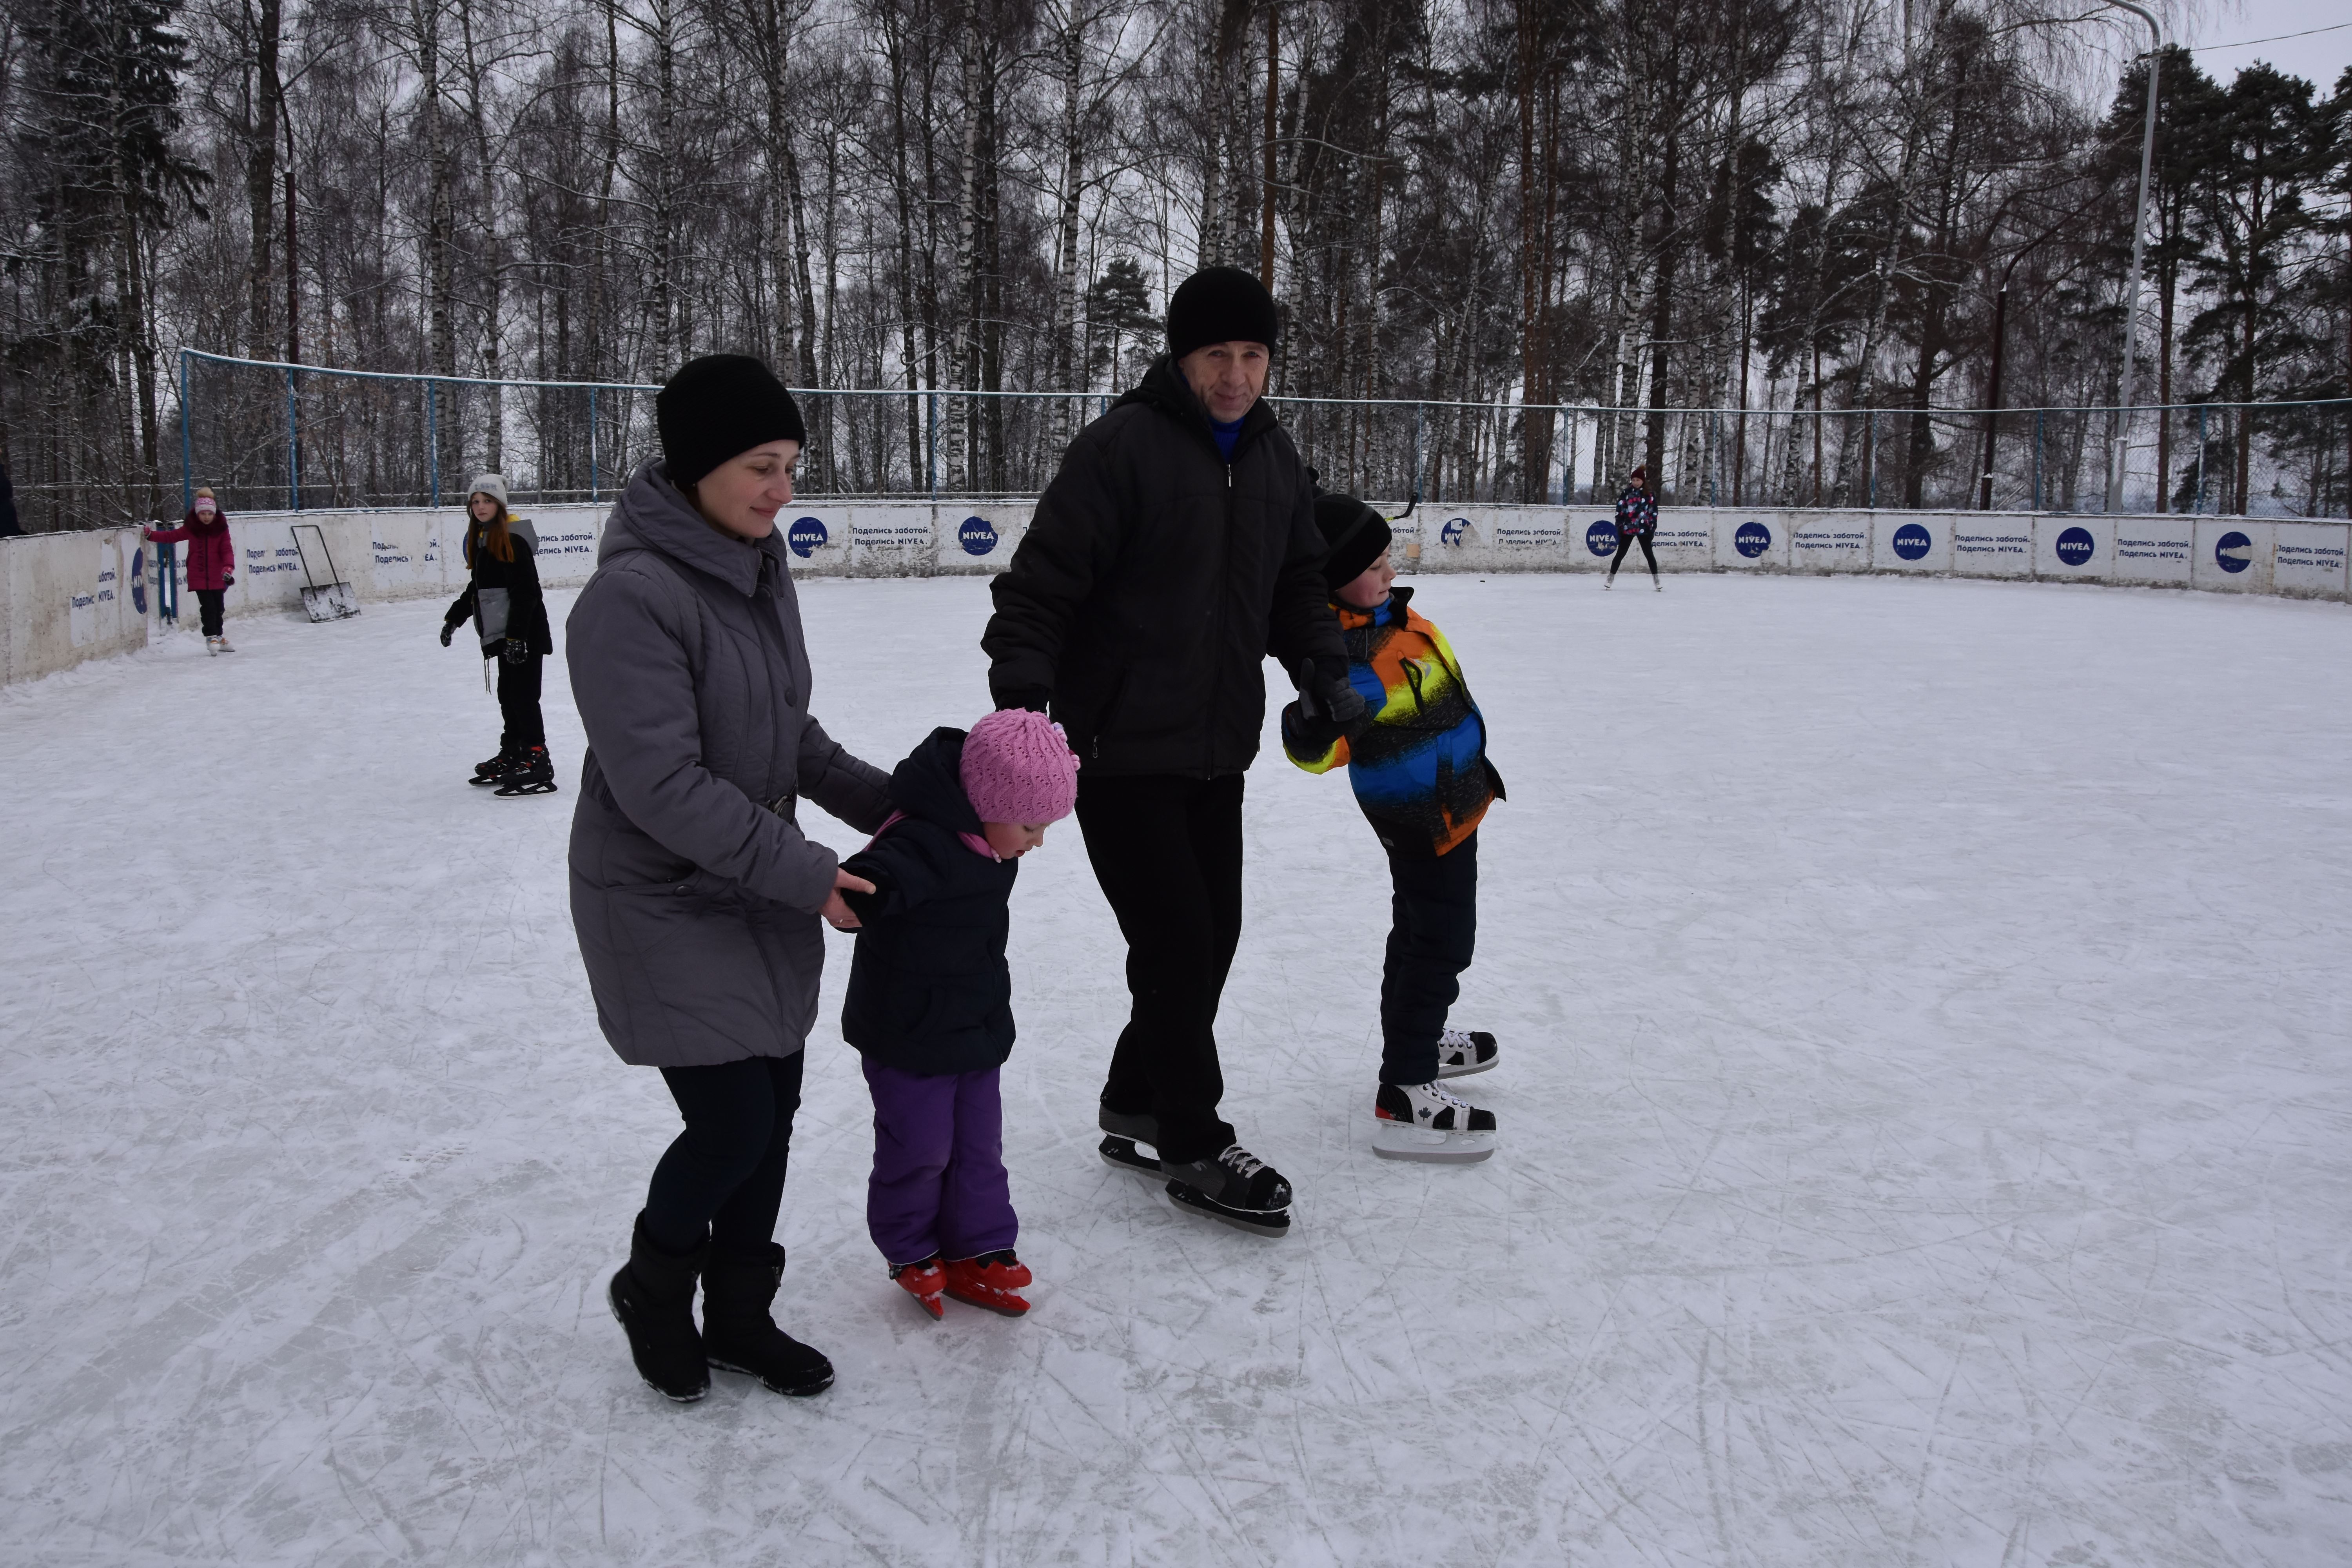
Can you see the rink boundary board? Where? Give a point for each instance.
(68, 597)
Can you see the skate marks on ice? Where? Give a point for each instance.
(1922, 1128)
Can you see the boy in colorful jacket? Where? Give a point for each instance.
(1420, 775)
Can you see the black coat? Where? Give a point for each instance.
(526, 605)
(928, 990)
(1154, 580)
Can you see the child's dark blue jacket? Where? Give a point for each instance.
(929, 990)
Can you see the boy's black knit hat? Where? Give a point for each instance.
(1353, 537)
(717, 407)
(1220, 305)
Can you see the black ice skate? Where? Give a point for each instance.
(1237, 1188)
(1460, 1052)
(494, 768)
(1122, 1134)
(533, 773)
(1423, 1121)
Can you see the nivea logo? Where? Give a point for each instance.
(138, 581)
(1752, 539)
(2233, 551)
(1912, 541)
(806, 536)
(1455, 530)
(1601, 537)
(2076, 546)
(978, 536)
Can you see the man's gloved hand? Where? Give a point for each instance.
(448, 630)
(515, 650)
(1305, 729)
(1036, 699)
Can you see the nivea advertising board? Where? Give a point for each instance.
(817, 539)
(2074, 549)
(404, 555)
(890, 539)
(568, 539)
(1992, 545)
(2233, 554)
(1745, 541)
(1828, 541)
(1684, 540)
(1911, 541)
(1540, 533)
(979, 535)
(2307, 559)
(2155, 550)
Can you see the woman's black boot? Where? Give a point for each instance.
(737, 1335)
(653, 1296)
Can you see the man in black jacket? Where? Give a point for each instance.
(1174, 550)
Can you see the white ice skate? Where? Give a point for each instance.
(1460, 1052)
(1423, 1121)
(212, 648)
(223, 640)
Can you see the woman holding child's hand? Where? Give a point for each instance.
(696, 896)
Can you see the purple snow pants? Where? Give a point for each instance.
(938, 1187)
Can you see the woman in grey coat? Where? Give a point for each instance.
(694, 893)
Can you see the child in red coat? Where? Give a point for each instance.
(212, 564)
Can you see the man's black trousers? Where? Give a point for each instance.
(1434, 927)
(1168, 853)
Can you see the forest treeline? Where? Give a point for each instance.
(1831, 207)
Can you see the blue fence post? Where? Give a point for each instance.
(293, 448)
(1870, 453)
(2037, 459)
(931, 446)
(2199, 508)
(433, 435)
(1568, 469)
(1417, 412)
(592, 444)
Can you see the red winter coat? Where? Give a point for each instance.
(211, 558)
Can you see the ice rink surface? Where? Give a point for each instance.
(1926, 1094)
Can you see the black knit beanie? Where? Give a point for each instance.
(717, 407)
(1353, 535)
(1220, 305)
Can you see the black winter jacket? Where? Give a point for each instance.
(929, 990)
(526, 605)
(1154, 580)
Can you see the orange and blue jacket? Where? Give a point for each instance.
(1420, 771)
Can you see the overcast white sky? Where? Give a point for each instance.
(2319, 57)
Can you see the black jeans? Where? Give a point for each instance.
(1168, 853)
(724, 1176)
(519, 705)
(208, 609)
(1434, 916)
(1625, 542)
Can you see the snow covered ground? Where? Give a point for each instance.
(1926, 1096)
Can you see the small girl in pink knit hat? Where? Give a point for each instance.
(931, 1000)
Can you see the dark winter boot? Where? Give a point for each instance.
(653, 1297)
(493, 769)
(531, 774)
(737, 1335)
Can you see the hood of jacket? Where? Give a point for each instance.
(1164, 388)
(653, 514)
(930, 784)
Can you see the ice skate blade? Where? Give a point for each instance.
(797, 1391)
(504, 792)
(1273, 1223)
(1126, 1155)
(1396, 1141)
(1465, 1070)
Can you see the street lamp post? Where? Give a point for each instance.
(2116, 442)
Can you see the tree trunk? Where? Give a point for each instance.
(261, 176)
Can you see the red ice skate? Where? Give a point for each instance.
(990, 1281)
(922, 1281)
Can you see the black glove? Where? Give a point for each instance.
(515, 650)
(448, 630)
(1308, 731)
(1326, 696)
(1346, 707)
(1036, 699)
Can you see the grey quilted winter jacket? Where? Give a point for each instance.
(693, 892)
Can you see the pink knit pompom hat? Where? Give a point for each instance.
(1018, 768)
